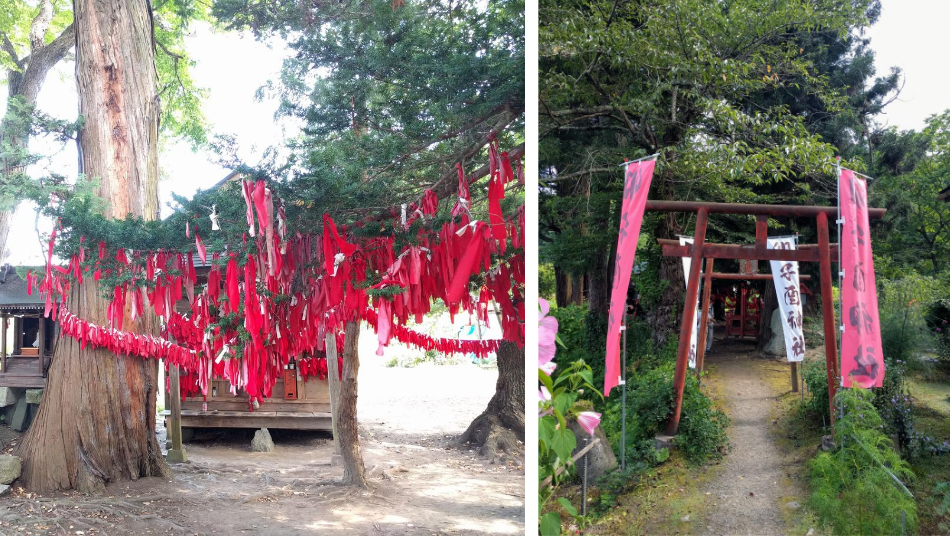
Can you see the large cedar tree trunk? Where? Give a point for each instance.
(562, 287)
(353, 468)
(97, 421)
(665, 318)
(501, 426)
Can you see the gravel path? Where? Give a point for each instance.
(747, 493)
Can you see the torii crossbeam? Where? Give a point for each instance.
(698, 250)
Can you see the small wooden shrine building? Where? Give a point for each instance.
(26, 337)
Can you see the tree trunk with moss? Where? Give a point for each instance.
(96, 423)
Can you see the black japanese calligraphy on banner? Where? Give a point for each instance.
(787, 288)
(637, 179)
(862, 363)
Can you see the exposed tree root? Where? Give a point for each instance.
(498, 432)
(494, 439)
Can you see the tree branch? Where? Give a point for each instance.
(7, 47)
(569, 176)
(40, 24)
(42, 60)
(504, 108)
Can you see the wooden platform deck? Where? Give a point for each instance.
(22, 372)
(296, 420)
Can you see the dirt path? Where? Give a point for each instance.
(420, 484)
(750, 491)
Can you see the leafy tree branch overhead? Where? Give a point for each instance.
(404, 92)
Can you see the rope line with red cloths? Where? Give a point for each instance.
(293, 289)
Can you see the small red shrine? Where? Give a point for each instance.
(743, 313)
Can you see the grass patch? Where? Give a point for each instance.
(933, 394)
(656, 506)
(933, 419)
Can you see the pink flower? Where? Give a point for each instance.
(547, 338)
(589, 421)
(543, 394)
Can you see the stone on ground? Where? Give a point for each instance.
(262, 441)
(21, 414)
(776, 345)
(600, 458)
(663, 441)
(34, 396)
(10, 467)
(8, 396)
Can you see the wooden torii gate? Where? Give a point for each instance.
(699, 249)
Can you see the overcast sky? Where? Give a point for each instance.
(232, 67)
(911, 34)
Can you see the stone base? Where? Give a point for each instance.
(176, 456)
(827, 443)
(8, 396)
(663, 441)
(34, 396)
(262, 441)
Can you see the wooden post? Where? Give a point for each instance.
(17, 335)
(41, 344)
(176, 454)
(828, 312)
(704, 317)
(3, 343)
(333, 376)
(689, 320)
(794, 376)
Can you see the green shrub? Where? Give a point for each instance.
(852, 492)
(616, 483)
(570, 329)
(547, 283)
(815, 377)
(650, 398)
(702, 434)
(938, 321)
(595, 342)
(903, 307)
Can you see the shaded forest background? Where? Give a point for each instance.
(746, 102)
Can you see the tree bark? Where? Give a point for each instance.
(665, 319)
(353, 468)
(769, 305)
(577, 289)
(500, 427)
(562, 287)
(598, 285)
(96, 423)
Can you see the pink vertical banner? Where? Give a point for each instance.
(637, 181)
(862, 358)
